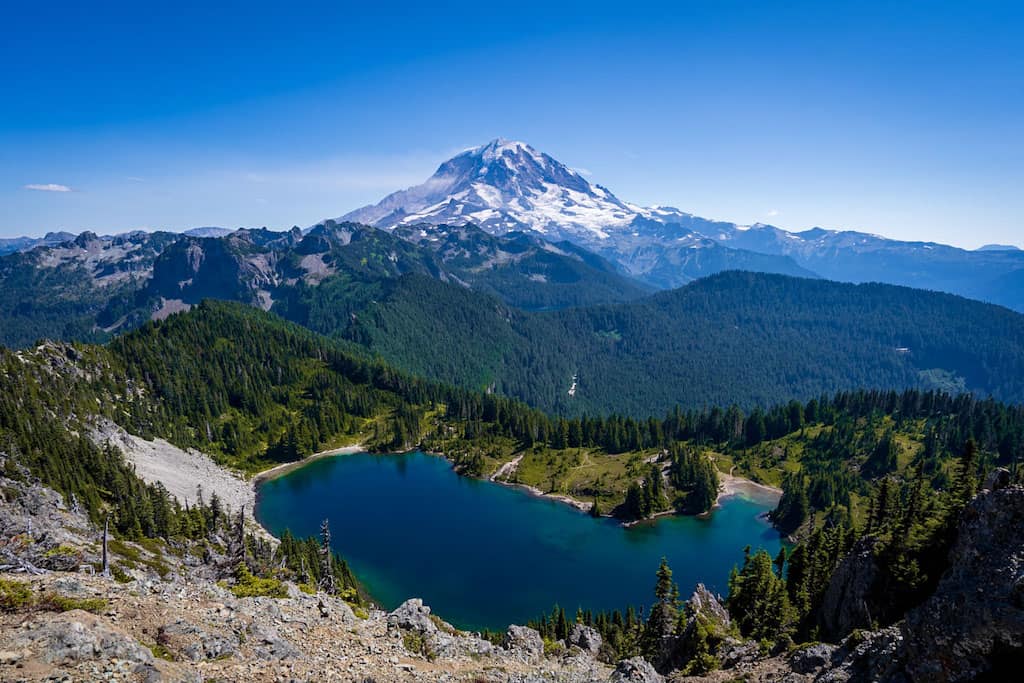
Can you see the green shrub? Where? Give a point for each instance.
(249, 586)
(14, 596)
(63, 603)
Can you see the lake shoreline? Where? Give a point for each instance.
(730, 485)
(284, 468)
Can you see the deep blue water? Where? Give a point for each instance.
(484, 555)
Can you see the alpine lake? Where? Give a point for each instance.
(484, 555)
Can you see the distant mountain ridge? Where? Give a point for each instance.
(507, 185)
(90, 287)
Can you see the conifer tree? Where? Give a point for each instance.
(327, 584)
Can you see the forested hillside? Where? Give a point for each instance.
(744, 338)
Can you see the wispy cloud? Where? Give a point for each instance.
(47, 187)
(773, 212)
(583, 171)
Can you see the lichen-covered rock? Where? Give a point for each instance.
(873, 656)
(78, 636)
(270, 644)
(635, 670)
(524, 643)
(974, 622)
(585, 637)
(452, 645)
(703, 603)
(847, 601)
(811, 659)
(733, 652)
(412, 615)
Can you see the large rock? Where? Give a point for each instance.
(78, 636)
(193, 642)
(733, 653)
(704, 604)
(974, 622)
(811, 659)
(586, 638)
(870, 657)
(445, 645)
(270, 644)
(412, 615)
(524, 643)
(635, 670)
(847, 602)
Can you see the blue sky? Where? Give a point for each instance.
(905, 119)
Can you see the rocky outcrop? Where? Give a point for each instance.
(78, 636)
(707, 606)
(412, 615)
(974, 622)
(41, 532)
(195, 643)
(847, 603)
(868, 657)
(524, 643)
(635, 670)
(585, 638)
(813, 658)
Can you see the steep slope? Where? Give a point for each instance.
(61, 290)
(523, 270)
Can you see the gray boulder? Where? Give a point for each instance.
(872, 656)
(585, 638)
(524, 643)
(412, 615)
(78, 636)
(734, 652)
(810, 659)
(635, 670)
(270, 644)
(450, 646)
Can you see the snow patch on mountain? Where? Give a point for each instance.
(507, 185)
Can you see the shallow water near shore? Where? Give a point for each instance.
(484, 555)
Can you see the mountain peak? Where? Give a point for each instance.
(501, 186)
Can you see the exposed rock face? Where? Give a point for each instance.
(846, 603)
(812, 658)
(50, 535)
(525, 643)
(195, 643)
(635, 670)
(270, 643)
(412, 615)
(704, 604)
(737, 653)
(78, 636)
(872, 657)
(974, 622)
(586, 638)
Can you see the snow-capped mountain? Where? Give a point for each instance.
(504, 186)
(508, 186)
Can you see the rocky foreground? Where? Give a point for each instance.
(165, 617)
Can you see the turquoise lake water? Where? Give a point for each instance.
(484, 555)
